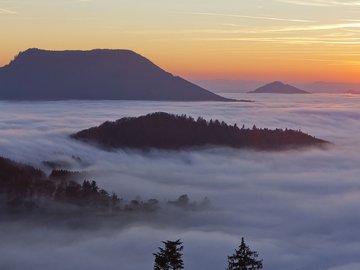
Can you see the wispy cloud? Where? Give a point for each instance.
(249, 17)
(324, 3)
(7, 11)
(284, 40)
(318, 27)
(350, 25)
(238, 29)
(331, 62)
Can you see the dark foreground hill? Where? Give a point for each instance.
(166, 131)
(23, 187)
(27, 191)
(280, 88)
(93, 75)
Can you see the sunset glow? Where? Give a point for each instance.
(179, 134)
(297, 40)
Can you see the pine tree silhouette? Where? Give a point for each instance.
(170, 257)
(244, 259)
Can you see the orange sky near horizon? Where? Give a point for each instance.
(290, 40)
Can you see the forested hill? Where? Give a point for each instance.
(26, 190)
(24, 187)
(167, 131)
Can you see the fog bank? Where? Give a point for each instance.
(296, 208)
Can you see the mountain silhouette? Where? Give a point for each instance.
(91, 75)
(279, 87)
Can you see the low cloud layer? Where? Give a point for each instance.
(298, 209)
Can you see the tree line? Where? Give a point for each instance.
(169, 257)
(25, 187)
(168, 131)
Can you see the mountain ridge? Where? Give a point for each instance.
(104, 74)
(244, 86)
(280, 88)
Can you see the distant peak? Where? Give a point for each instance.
(277, 83)
(279, 87)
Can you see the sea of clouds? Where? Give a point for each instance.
(298, 209)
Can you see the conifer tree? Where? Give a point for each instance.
(244, 259)
(169, 257)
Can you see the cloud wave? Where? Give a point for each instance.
(297, 208)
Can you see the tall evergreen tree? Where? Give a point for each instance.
(244, 259)
(169, 257)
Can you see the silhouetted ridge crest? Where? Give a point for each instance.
(168, 131)
(279, 87)
(97, 74)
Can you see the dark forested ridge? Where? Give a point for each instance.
(22, 186)
(93, 75)
(167, 131)
(26, 190)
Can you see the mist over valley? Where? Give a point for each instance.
(297, 208)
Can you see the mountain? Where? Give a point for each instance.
(244, 86)
(167, 131)
(90, 75)
(279, 87)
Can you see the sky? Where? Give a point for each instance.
(291, 40)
